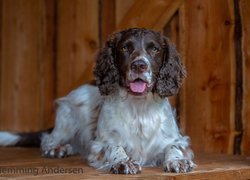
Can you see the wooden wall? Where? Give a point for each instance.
(245, 14)
(210, 60)
(77, 42)
(47, 48)
(27, 64)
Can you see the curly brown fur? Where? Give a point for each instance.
(107, 71)
(172, 72)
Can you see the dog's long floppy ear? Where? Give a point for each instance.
(106, 70)
(171, 73)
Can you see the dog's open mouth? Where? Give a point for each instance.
(138, 86)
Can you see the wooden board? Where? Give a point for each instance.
(22, 163)
(209, 104)
(26, 75)
(171, 31)
(153, 14)
(122, 7)
(77, 42)
(245, 10)
(107, 19)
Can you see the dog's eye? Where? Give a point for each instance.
(124, 48)
(155, 49)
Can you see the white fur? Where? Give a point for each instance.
(76, 117)
(8, 139)
(112, 129)
(144, 126)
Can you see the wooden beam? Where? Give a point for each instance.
(245, 12)
(167, 14)
(238, 77)
(27, 61)
(107, 20)
(150, 14)
(210, 83)
(121, 8)
(77, 43)
(182, 50)
(170, 30)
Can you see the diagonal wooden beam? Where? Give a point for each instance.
(152, 14)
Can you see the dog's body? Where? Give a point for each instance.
(124, 121)
(108, 130)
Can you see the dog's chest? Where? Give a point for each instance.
(139, 126)
(138, 120)
(142, 127)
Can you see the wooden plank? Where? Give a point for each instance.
(182, 50)
(27, 163)
(122, 7)
(26, 59)
(238, 78)
(171, 31)
(167, 14)
(47, 63)
(209, 87)
(77, 42)
(153, 14)
(107, 19)
(245, 11)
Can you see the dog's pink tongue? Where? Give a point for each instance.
(138, 86)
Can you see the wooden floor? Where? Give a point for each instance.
(26, 163)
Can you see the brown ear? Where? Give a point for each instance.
(106, 71)
(172, 72)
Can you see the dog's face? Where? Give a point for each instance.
(139, 58)
(141, 61)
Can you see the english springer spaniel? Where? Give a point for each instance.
(124, 121)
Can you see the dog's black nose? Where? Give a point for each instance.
(139, 66)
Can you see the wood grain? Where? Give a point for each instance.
(122, 8)
(153, 14)
(107, 19)
(77, 42)
(209, 87)
(245, 10)
(171, 31)
(26, 65)
(183, 50)
(209, 166)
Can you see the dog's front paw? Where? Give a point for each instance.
(126, 167)
(179, 165)
(58, 152)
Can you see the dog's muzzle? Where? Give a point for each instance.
(139, 76)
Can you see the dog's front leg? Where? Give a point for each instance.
(178, 160)
(116, 157)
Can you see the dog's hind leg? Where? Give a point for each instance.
(57, 143)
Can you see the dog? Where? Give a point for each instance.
(124, 120)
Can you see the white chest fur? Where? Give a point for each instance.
(141, 125)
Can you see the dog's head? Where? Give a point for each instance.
(141, 61)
